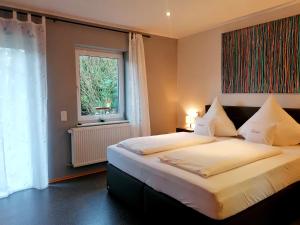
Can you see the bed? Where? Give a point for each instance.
(264, 192)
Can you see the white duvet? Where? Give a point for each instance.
(215, 158)
(158, 143)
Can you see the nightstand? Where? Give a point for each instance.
(185, 129)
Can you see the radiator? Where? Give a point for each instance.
(89, 144)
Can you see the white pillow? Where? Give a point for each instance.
(261, 134)
(287, 129)
(204, 127)
(287, 134)
(223, 125)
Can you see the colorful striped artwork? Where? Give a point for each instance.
(262, 59)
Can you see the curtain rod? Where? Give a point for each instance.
(72, 21)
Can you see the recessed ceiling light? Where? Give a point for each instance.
(168, 13)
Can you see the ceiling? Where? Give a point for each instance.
(187, 16)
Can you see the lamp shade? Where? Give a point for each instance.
(188, 119)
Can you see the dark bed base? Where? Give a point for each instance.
(158, 208)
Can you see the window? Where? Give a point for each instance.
(100, 85)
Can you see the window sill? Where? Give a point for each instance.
(90, 124)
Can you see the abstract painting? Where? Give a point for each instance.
(263, 58)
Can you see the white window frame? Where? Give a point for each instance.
(106, 54)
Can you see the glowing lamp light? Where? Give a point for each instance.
(190, 118)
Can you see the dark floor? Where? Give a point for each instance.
(82, 201)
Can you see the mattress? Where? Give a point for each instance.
(219, 196)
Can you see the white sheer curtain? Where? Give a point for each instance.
(23, 106)
(137, 106)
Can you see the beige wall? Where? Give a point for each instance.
(62, 38)
(199, 68)
(161, 64)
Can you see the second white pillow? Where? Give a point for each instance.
(287, 131)
(261, 134)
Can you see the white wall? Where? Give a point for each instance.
(199, 68)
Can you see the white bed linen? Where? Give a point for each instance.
(219, 196)
(218, 157)
(164, 142)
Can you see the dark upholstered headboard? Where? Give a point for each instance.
(240, 114)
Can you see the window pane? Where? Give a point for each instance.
(99, 91)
